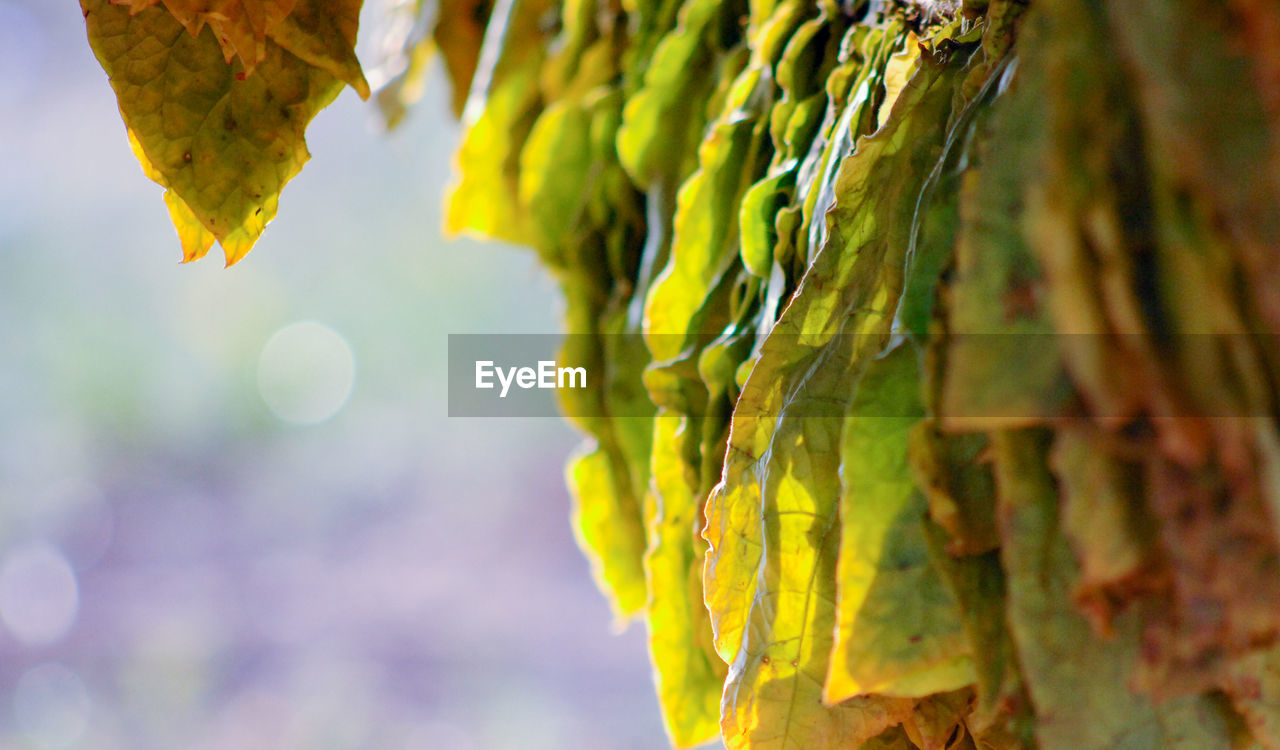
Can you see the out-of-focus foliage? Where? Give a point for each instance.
(217, 96)
(936, 349)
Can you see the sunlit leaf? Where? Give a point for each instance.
(898, 628)
(222, 141)
(687, 672)
(616, 548)
(484, 197)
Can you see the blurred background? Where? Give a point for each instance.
(233, 511)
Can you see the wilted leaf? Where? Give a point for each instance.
(1077, 681)
(241, 27)
(323, 33)
(898, 628)
(223, 142)
(615, 549)
(484, 197)
(687, 672)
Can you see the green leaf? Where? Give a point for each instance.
(664, 116)
(484, 197)
(222, 141)
(898, 628)
(704, 244)
(760, 206)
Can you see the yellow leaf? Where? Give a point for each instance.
(688, 675)
(196, 240)
(223, 142)
(614, 546)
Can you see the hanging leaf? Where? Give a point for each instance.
(223, 137)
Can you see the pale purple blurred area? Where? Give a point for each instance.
(182, 568)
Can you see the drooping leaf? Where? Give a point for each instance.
(484, 197)
(688, 673)
(323, 33)
(899, 630)
(221, 140)
(1076, 680)
(241, 27)
(773, 524)
(616, 548)
(705, 224)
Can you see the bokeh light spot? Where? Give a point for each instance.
(39, 596)
(306, 373)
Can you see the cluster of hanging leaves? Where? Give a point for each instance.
(933, 407)
(934, 346)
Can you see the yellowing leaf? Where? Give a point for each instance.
(196, 240)
(898, 628)
(223, 142)
(1077, 681)
(240, 26)
(323, 33)
(774, 523)
(614, 548)
(686, 670)
(484, 197)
